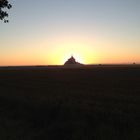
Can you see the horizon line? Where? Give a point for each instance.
(43, 65)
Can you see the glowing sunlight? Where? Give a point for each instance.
(81, 52)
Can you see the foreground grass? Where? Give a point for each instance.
(101, 103)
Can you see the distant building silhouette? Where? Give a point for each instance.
(72, 61)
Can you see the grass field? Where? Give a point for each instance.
(87, 103)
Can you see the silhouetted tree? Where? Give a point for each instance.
(4, 4)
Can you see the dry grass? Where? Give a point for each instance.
(93, 102)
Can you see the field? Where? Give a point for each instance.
(87, 103)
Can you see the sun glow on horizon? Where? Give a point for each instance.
(56, 51)
(93, 31)
(83, 53)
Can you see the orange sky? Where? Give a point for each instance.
(48, 33)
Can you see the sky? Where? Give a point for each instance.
(48, 32)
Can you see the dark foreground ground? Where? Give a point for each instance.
(89, 103)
